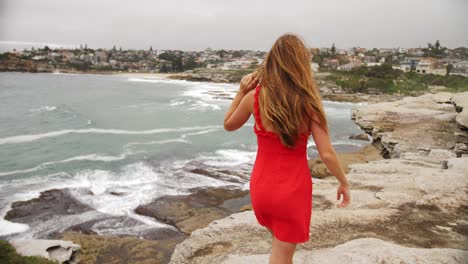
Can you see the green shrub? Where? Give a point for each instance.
(385, 79)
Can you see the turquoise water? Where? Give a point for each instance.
(130, 134)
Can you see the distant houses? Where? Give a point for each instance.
(418, 60)
(460, 68)
(315, 66)
(349, 66)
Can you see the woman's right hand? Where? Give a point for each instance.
(248, 82)
(343, 192)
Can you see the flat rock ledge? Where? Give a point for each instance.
(363, 251)
(417, 123)
(461, 104)
(416, 201)
(410, 208)
(55, 250)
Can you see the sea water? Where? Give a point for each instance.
(135, 135)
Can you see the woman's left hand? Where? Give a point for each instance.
(248, 82)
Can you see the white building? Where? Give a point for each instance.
(460, 68)
(372, 64)
(349, 66)
(315, 66)
(38, 57)
(425, 66)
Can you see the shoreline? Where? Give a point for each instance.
(149, 74)
(327, 94)
(397, 130)
(187, 213)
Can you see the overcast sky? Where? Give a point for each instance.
(236, 24)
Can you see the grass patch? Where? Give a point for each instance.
(385, 79)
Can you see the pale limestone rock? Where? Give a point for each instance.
(410, 124)
(363, 251)
(390, 198)
(442, 97)
(461, 103)
(56, 250)
(411, 209)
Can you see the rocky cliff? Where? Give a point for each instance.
(409, 208)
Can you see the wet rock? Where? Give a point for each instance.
(196, 210)
(120, 226)
(246, 207)
(207, 75)
(49, 204)
(55, 250)
(221, 175)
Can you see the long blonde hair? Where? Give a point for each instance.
(289, 97)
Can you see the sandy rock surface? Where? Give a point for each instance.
(414, 123)
(56, 250)
(410, 208)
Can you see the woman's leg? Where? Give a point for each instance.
(282, 252)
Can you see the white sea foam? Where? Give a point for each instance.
(156, 80)
(181, 139)
(119, 193)
(199, 132)
(134, 185)
(115, 226)
(175, 102)
(358, 143)
(6, 173)
(45, 108)
(200, 105)
(7, 227)
(107, 158)
(34, 137)
(205, 95)
(229, 157)
(164, 141)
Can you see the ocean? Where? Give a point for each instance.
(140, 136)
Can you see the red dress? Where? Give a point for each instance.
(281, 185)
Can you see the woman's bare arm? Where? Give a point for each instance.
(328, 156)
(241, 107)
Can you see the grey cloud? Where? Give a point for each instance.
(194, 25)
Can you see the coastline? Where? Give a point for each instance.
(197, 211)
(328, 91)
(219, 205)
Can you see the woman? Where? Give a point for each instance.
(282, 96)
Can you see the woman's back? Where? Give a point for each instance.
(290, 104)
(280, 185)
